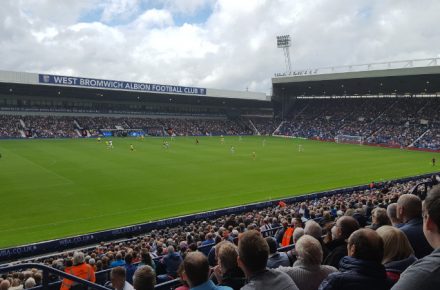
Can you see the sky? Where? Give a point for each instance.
(222, 44)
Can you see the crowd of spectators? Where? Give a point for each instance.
(265, 126)
(69, 126)
(398, 122)
(9, 126)
(322, 232)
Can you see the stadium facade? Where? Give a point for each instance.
(20, 91)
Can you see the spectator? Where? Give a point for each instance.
(196, 269)
(297, 233)
(129, 267)
(337, 248)
(5, 284)
(30, 283)
(180, 272)
(118, 262)
(362, 268)
(207, 244)
(409, 210)
(276, 258)
(313, 229)
(171, 262)
(146, 259)
(253, 253)
(79, 269)
(379, 218)
(398, 253)
(425, 273)
(144, 278)
(227, 271)
(307, 272)
(392, 215)
(118, 279)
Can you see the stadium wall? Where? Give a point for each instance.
(53, 246)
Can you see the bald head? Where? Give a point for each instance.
(409, 206)
(196, 268)
(5, 284)
(366, 244)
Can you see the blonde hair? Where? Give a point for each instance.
(227, 255)
(396, 244)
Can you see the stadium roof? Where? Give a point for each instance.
(98, 86)
(401, 81)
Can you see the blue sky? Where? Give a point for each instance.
(199, 16)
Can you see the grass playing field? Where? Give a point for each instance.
(56, 188)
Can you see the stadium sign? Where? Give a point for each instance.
(118, 85)
(298, 73)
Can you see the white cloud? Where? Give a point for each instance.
(234, 49)
(119, 9)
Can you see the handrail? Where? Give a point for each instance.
(47, 270)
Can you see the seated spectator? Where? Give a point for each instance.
(362, 268)
(129, 267)
(307, 272)
(425, 273)
(146, 259)
(313, 229)
(398, 253)
(276, 258)
(118, 262)
(180, 272)
(409, 210)
(30, 283)
(118, 280)
(79, 269)
(253, 253)
(5, 284)
(196, 269)
(337, 247)
(227, 271)
(171, 262)
(392, 215)
(207, 244)
(379, 218)
(144, 278)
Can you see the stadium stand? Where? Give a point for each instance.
(395, 122)
(190, 236)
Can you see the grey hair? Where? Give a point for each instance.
(313, 229)
(78, 258)
(298, 233)
(309, 250)
(170, 249)
(29, 283)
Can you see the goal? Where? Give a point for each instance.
(350, 139)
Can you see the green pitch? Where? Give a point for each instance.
(57, 188)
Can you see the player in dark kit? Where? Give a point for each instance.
(433, 161)
(197, 141)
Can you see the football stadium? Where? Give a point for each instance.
(328, 182)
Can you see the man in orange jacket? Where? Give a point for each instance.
(79, 269)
